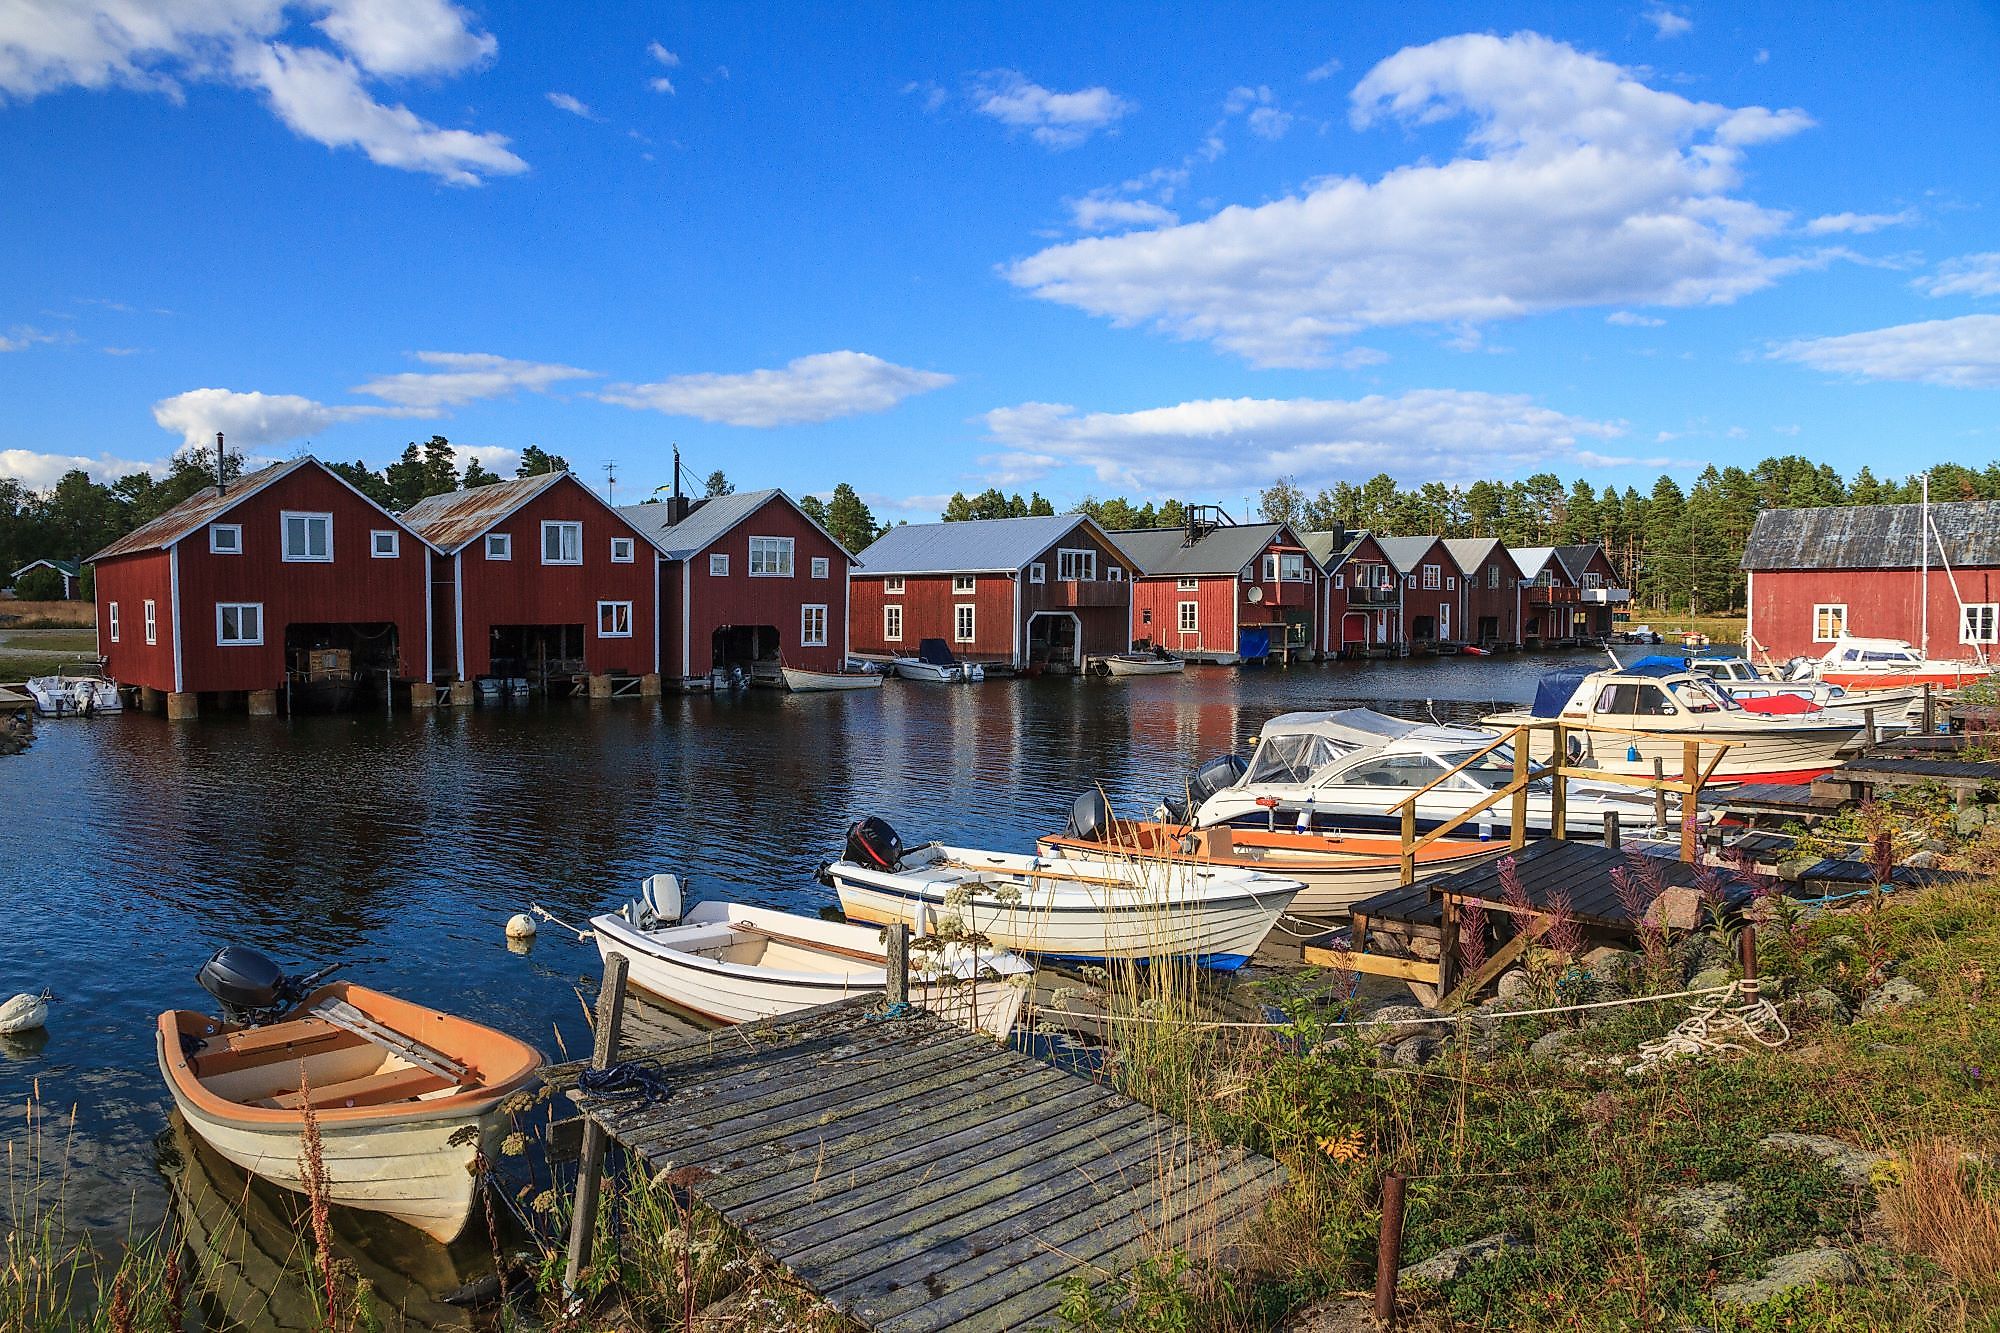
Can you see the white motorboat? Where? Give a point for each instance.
(1865, 666)
(1144, 664)
(935, 664)
(404, 1096)
(734, 963)
(801, 681)
(1651, 713)
(1077, 908)
(64, 695)
(1748, 685)
(1349, 771)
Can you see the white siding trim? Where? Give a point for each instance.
(657, 626)
(430, 630)
(458, 605)
(1018, 628)
(687, 613)
(174, 596)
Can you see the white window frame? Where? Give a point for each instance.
(1038, 573)
(1975, 614)
(624, 550)
(112, 619)
(1451, 583)
(215, 546)
(1187, 585)
(767, 548)
(152, 614)
(1071, 564)
(892, 622)
(222, 610)
(808, 637)
(499, 546)
(1383, 579)
(1188, 617)
(1270, 566)
(1826, 612)
(718, 565)
(1296, 559)
(1114, 573)
(894, 585)
(964, 585)
(1493, 576)
(1433, 578)
(1339, 582)
(376, 550)
(618, 610)
(1593, 580)
(822, 567)
(964, 622)
(569, 541)
(307, 517)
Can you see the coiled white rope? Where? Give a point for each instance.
(1716, 1028)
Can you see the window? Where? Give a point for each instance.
(770, 557)
(963, 620)
(621, 550)
(892, 623)
(113, 621)
(1190, 617)
(1038, 573)
(1493, 576)
(718, 566)
(1430, 577)
(1145, 615)
(1382, 579)
(308, 537)
(1593, 580)
(964, 584)
(1409, 580)
(152, 622)
(1979, 623)
(1450, 582)
(1634, 701)
(1829, 620)
(1340, 580)
(499, 546)
(1187, 585)
(1270, 568)
(239, 624)
(892, 585)
(1292, 567)
(614, 620)
(384, 544)
(1115, 573)
(562, 543)
(812, 627)
(225, 539)
(1074, 565)
(822, 566)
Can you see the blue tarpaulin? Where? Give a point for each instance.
(1555, 691)
(1253, 644)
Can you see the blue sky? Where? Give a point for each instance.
(1080, 249)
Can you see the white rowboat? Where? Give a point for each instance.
(1144, 664)
(800, 681)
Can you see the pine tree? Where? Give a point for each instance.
(849, 519)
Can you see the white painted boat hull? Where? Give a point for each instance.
(809, 682)
(928, 673)
(1153, 667)
(1756, 752)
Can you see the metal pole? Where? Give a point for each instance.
(899, 963)
(1389, 1249)
(590, 1168)
(1613, 838)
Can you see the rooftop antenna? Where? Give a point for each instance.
(610, 481)
(221, 474)
(677, 476)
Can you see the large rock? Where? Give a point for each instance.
(1970, 820)
(1413, 1051)
(1824, 1005)
(1513, 985)
(1893, 994)
(1450, 1265)
(1710, 977)
(1676, 908)
(1702, 1211)
(1394, 1024)
(1856, 1166)
(1821, 1267)
(1551, 1044)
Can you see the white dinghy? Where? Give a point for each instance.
(733, 963)
(1144, 664)
(1079, 909)
(801, 681)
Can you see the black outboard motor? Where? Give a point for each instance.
(250, 987)
(1224, 770)
(1089, 817)
(872, 843)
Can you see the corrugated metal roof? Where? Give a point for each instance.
(1405, 553)
(1224, 550)
(198, 510)
(1530, 559)
(1470, 552)
(708, 522)
(1874, 537)
(980, 545)
(452, 521)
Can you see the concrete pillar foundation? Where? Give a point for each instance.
(649, 685)
(600, 687)
(263, 703)
(423, 694)
(181, 705)
(151, 700)
(461, 694)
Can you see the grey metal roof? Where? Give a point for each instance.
(1470, 552)
(975, 546)
(708, 522)
(1331, 548)
(1874, 537)
(1224, 550)
(453, 520)
(1406, 553)
(1530, 559)
(1574, 559)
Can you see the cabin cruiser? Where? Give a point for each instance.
(1758, 691)
(1350, 769)
(1868, 665)
(64, 695)
(1651, 713)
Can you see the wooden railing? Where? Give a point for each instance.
(1694, 776)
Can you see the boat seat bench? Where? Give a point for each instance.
(394, 1085)
(272, 1045)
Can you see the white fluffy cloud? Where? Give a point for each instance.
(1968, 275)
(574, 105)
(1260, 110)
(1101, 210)
(1962, 353)
(1668, 23)
(493, 457)
(252, 420)
(39, 471)
(1052, 119)
(810, 389)
(1858, 224)
(464, 377)
(321, 93)
(1576, 185)
(1632, 320)
(1219, 444)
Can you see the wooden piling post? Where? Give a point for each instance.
(1517, 830)
(1612, 836)
(1389, 1249)
(1868, 717)
(1660, 791)
(1559, 790)
(590, 1166)
(1690, 783)
(1746, 952)
(1408, 854)
(899, 963)
(1930, 711)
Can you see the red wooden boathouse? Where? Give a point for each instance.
(1489, 608)
(1201, 586)
(1364, 597)
(1430, 579)
(286, 569)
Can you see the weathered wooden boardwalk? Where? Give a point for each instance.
(919, 1177)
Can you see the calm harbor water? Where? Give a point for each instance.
(400, 846)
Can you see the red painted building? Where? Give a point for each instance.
(1200, 589)
(1598, 594)
(1489, 608)
(1549, 597)
(539, 579)
(287, 569)
(1364, 597)
(1866, 571)
(747, 580)
(1046, 591)
(1430, 579)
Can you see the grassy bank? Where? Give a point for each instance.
(25, 653)
(47, 615)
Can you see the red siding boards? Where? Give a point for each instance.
(129, 582)
(739, 598)
(1372, 616)
(929, 605)
(1880, 604)
(1156, 613)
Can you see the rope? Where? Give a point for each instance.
(627, 1082)
(536, 909)
(1484, 1015)
(890, 1011)
(1715, 1028)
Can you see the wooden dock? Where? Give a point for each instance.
(919, 1177)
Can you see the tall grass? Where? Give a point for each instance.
(1942, 1205)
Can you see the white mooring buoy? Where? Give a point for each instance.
(24, 1013)
(520, 926)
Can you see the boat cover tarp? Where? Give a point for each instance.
(934, 652)
(1779, 703)
(1658, 665)
(1348, 726)
(1253, 644)
(1554, 691)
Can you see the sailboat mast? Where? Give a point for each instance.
(1924, 565)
